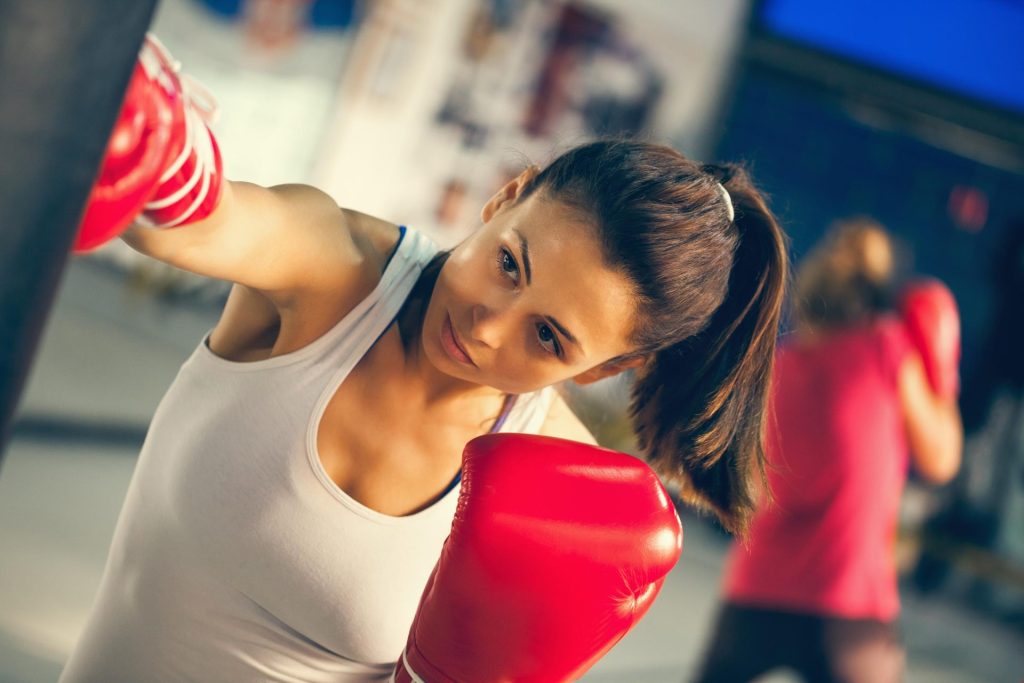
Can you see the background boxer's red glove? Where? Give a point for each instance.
(557, 550)
(933, 323)
(162, 162)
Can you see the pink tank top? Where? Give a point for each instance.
(838, 458)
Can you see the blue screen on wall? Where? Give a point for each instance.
(973, 48)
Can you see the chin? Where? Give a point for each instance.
(439, 360)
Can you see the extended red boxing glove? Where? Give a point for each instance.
(556, 551)
(933, 323)
(189, 187)
(162, 164)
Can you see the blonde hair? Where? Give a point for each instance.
(846, 278)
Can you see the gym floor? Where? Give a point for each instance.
(108, 355)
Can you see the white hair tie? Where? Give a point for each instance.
(728, 202)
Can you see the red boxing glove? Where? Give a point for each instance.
(933, 323)
(189, 187)
(556, 551)
(161, 157)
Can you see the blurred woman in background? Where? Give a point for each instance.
(859, 394)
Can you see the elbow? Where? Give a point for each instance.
(937, 444)
(942, 464)
(939, 474)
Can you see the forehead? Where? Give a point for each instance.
(570, 279)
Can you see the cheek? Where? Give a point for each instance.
(520, 372)
(466, 274)
(449, 291)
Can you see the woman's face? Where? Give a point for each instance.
(527, 301)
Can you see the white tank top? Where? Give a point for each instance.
(235, 557)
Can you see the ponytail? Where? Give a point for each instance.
(709, 271)
(699, 406)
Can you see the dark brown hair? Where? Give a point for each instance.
(710, 291)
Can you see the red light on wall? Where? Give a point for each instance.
(968, 208)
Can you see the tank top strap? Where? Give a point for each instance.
(528, 414)
(347, 342)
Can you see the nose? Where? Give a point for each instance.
(489, 325)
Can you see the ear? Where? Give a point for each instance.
(508, 193)
(608, 369)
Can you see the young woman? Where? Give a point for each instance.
(301, 474)
(855, 400)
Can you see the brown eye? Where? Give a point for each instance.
(548, 340)
(507, 264)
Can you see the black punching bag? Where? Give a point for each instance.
(64, 67)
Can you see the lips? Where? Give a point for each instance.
(451, 344)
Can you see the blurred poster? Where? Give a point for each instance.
(447, 100)
(595, 78)
(531, 75)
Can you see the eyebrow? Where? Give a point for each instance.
(524, 248)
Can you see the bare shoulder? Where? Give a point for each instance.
(257, 323)
(309, 313)
(561, 422)
(373, 239)
(349, 264)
